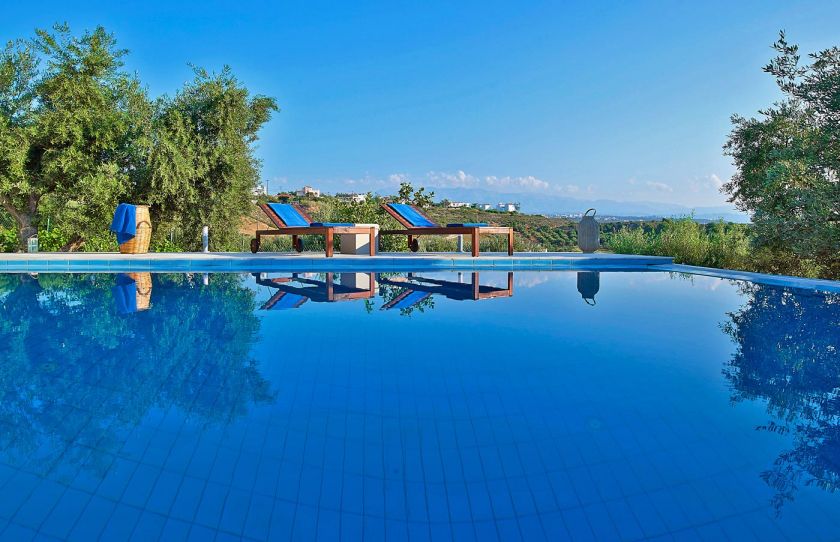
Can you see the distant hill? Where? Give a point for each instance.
(552, 205)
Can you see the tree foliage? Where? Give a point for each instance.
(79, 134)
(788, 159)
(202, 169)
(787, 355)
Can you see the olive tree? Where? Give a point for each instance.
(72, 126)
(788, 159)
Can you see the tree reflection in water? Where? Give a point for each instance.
(77, 377)
(788, 354)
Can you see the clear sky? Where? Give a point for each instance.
(625, 100)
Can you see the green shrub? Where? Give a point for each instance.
(8, 240)
(630, 241)
(51, 240)
(683, 239)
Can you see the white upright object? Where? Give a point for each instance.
(360, 281)
(205, 239)
(352, 243)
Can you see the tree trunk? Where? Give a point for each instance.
(23, 218)
(74, 245)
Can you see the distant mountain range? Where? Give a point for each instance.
(565, 205)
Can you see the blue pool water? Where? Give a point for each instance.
(426, 406)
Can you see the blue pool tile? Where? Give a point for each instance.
(93, 519)
(187, 499)
(140, 487)
(282, 520)
(374, 497)
(200, 533)
(17, 532)
(352, 527)
(164, 492)
(646, 514)
(374, 528)
(352, 494)
(150, 526)
(508, 529)
(175, 529)
(462, 531)
(115, 482)
(258, 520)
(480, 505)
(212, 503)
(22, 484)
(624, 520)
(520, 494)
(235, 511)
(600, 522)
(306, 523)
(66, 513)
(459, 502)
(554, 526)
(577, 524)
(40, 503)
(121, 523)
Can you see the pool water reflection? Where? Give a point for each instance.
(417, 405)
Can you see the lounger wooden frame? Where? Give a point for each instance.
(465, 290)
(319, 291)
(473, 231)
(328, 232)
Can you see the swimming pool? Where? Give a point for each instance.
(427, 405)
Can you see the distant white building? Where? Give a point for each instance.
(260, 190)
(308, 191)
(508, 207)
(352, 197)
(457, 204)
(483, 206)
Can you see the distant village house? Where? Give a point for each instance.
(352, 197)
(308, 191)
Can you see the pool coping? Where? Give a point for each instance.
(822, 285)
(198, 262)
(215, 261)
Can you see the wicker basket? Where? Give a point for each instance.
(139, 244)
(143, 283)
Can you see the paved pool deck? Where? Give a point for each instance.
(198, 262)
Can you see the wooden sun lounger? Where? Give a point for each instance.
(412, 231)
(328, 232)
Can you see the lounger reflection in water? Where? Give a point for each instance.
(417, 289)
(294, 291)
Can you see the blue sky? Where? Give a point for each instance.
(624, 101)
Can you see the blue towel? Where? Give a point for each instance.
(330, 224)
(125, 222)
(414, 218)
(467, 225)
(125, 294)
(288, 301)
(290, 216)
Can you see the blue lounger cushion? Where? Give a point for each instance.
(290, 216)
(288, 301)
(410, 300)
(411, 215)
(467, 225)
(331, 224)
(124, 223)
